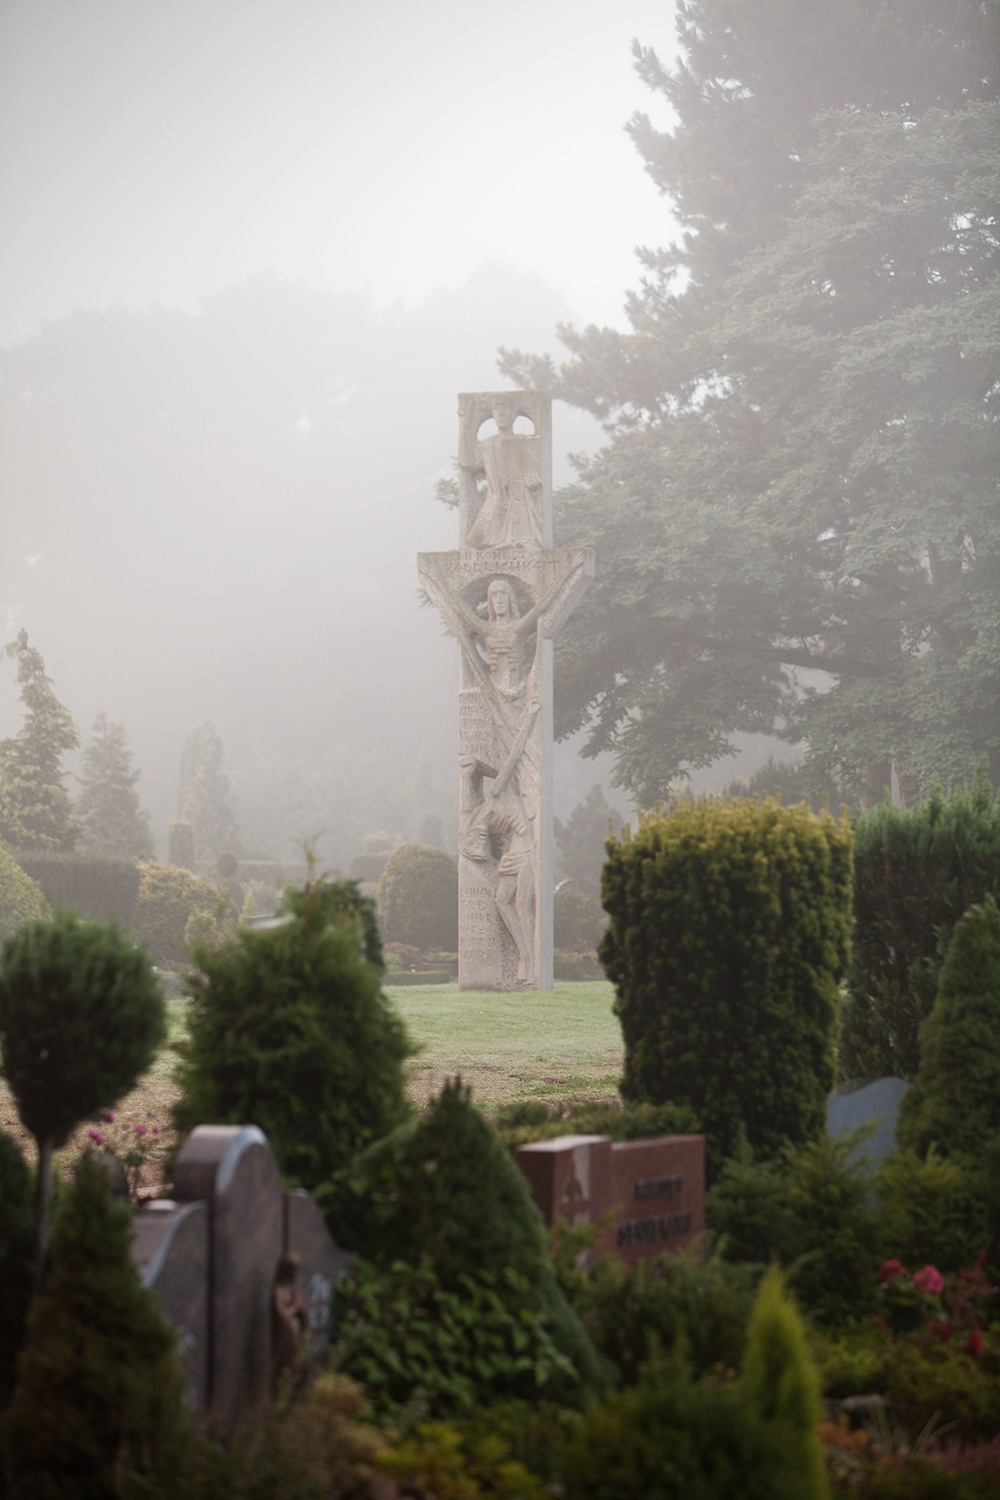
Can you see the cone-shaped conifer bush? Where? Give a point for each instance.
(99, 1395)
(289, 1029)
(445, 1189)
(782, 1389)
(81, 1017)
(954, 1104)
(418, 897)
(17, 1249)
(729, 933)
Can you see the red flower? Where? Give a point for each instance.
(974, 1344)
(892, 1270)
(929, 1280)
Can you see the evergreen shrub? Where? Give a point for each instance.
(533, 1120)
(94, 885)
(443, 1190)
(578, 921)
(168, 898)
(782, 1389)
(21, 898)
(81, 1017)
(99, 1395)
(180, 844)
(17, 1252)
(933, 1210)
(418, 897)
(729, 933)
(916, 871)
(955, 1101)
(288, 1028)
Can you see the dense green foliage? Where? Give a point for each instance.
(423, 1350)
(916, 871)
(802, 417)
(111, 820)
(99, 1395)
(729, 933)
(418, 897)
(17, 1248)
(955, 1102)
(288, 1028)
(81, 1017)
(670, 1436)
(95, 885)
(205, 798)
(533, 1120)
(168, 898)
(21, 898)
(340, 900)
(35, 809)
(444, 1190)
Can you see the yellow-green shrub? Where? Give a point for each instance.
(168, 898)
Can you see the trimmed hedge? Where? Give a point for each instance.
(168, 898)
(418, 897)
(916, 871)
(21, 898)
(729, 934)
(93, 885)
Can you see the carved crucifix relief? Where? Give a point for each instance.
(503, 595)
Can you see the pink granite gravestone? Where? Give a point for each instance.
(654, 1189)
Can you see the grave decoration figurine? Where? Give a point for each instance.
(504, 595)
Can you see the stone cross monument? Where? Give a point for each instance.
(503, 595)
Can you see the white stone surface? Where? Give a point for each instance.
(504, 595)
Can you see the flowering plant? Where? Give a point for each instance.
(910, 1299)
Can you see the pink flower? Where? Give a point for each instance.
(892, 1270)
(974, 1344)
(140, 1130)
(929, 1280)
(96, 1137)
(107, 1115)
(156, 1130)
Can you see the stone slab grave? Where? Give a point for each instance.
(872, 1102)
(244, 1270)
(654, 1189)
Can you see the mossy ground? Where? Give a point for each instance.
(561, 1045)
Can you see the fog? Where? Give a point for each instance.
(252, 250)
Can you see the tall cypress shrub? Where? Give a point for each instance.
(954, 1104)
(916, 870)
(729, 933)
(99, 1396)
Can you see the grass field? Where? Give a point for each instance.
(563, 1045)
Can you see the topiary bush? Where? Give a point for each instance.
(288, 1028)
(916, 870)
(99, 1397)
(955, 1102)
(782, 1390)
(21, 898)
(168, 898)
(81, 1017)
(729, 933)
(443, 1189)
(96, 886)
(418, 897)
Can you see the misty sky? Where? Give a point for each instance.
(157, 150)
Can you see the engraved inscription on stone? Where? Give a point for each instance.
(659, 1187)
(643, 1231)
(503, 596)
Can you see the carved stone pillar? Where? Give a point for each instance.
(504, 595)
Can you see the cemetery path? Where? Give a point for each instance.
(562, 1045)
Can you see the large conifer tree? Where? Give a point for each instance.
(803, 417)
(205, 799)
(108, 805)
(36, 815)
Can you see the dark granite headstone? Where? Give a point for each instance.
(170, 1247)
(234, 1168)
(872, 1102)
(655, 1188)
(321, 1265)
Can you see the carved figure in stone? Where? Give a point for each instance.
(500, 815)
(289, 1315)
(511, 511)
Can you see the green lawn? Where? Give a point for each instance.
(562, 1045)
